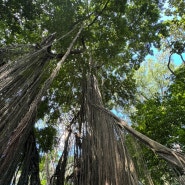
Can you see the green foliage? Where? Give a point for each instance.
(153, 77)
(162, 119)
(177, 102)
(43, 181)
(44, 108)
(19, 21)
(176, 8)
(114, 38)
(153, 120)
(176, 26)
(46, 138)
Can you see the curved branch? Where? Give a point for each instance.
(175, 158)
(169, 61)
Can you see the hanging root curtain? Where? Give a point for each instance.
(105, 159)
(21, 89)
(20, 82)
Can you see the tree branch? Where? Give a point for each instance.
(169, 61)
(168, 154)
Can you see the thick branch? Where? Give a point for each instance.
(169, 155)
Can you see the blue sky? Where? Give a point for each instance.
(176, 59)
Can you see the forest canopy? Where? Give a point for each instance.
(65, 66)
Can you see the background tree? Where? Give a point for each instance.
(160, 118)
(159, 115)
(153, 77)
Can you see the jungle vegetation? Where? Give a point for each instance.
(65, 65)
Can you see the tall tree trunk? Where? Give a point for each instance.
(105, 159)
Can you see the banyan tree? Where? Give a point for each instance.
(82, 70)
